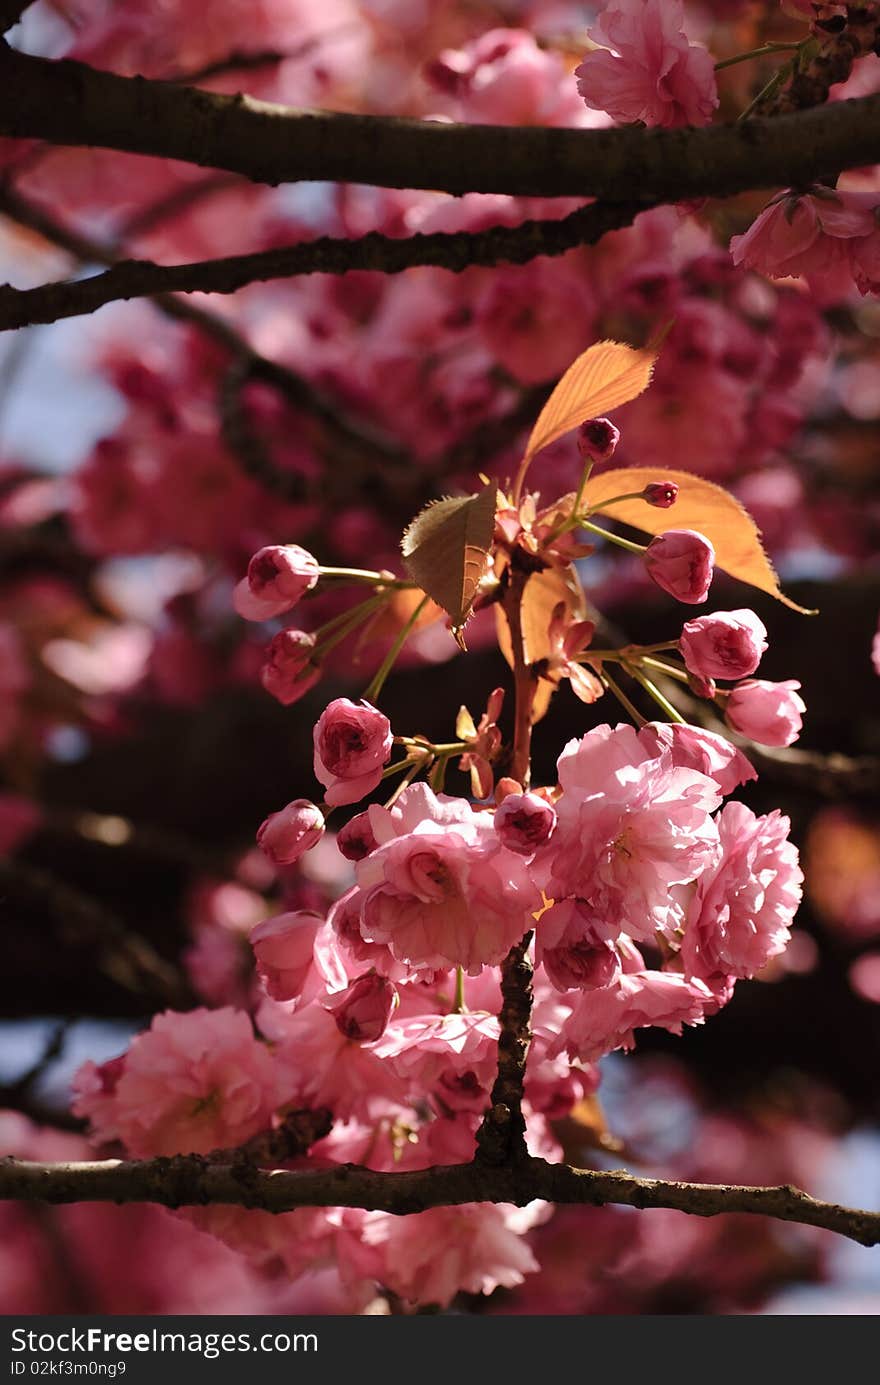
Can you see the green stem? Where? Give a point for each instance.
(352, 619)
(655, 692)
(359, 574)
(404, 784)
(612, 538)
(668, 669)
(362, 608)
(761, 52)
(378, 679)
(459, 1007)
(623, 699)
(773, 85)
(615, 500)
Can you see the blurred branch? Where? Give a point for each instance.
(83, 922)
(193, 1180)
(347, 438)
(69, 103)
(455, 251)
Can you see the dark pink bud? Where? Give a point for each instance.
(524, 822)
(661, 494)
(597, 439)
(356, 839)
(290, 833)
(364, 1010)
(290, 669)
(282, 572)
(682, 562)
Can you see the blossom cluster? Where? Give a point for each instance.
(648, 901)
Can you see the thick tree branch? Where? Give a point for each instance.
(192, 1180)
(69, 103)
(455, 251)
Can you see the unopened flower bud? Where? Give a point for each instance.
(353, 742)
(290, 833)
(682, 562)
(505, 787)
(282, 572)
(356, 839)
(597, 440)
(364, 1010)
(727, 644)
(290, 670)
(524, 822)
(769, 713)
(661, 494)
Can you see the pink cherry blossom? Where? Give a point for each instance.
(524, 822)
(652, 72)
(631, 826)
(431, 1256)
(769, 713)
(744, 906)
(194, 1082)
(682, 562)
(572, 946)
(94, 1097)
(606, 1019)
(691, 747)
(447, 895)
(290, 833)
(452, 1057)
(814, 234)
(318, 1065)
(297, 956)
(353, 743)
(726, 644)
(363, 1010)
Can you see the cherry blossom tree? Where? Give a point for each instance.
(378, 895)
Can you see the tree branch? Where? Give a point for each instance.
(349, 440)
(455, 251)
(193, 1180)
(69, 103)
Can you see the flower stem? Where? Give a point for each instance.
(765, 50)
(341, 627)
(623, 699)
(630, 547)
(359, 574)
(655, 692)
(378, 679)
(459, 1007)
(669, 669)
(773, 85)
(615, 500)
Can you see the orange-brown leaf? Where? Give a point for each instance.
(543, 592)
(701, 505)
(608, 374)
(445, 550)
